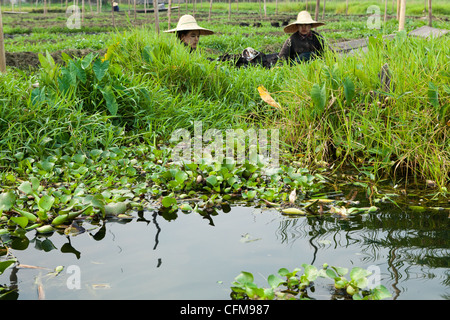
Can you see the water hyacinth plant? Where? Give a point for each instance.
(293, 286)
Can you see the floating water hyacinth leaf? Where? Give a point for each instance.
(293, 211)
(25, 187)
(125, 216)
(21, 221)
(60, 219)
(31, 217)
(5, 264)
(417, 208)
(7, 200)
(212, 180)
(114, 209)
(45, 229)
(185, 207)
(168, 201)
(46, 202)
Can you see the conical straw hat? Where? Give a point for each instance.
(187, 23)
(303, 17)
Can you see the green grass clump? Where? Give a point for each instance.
(336, 110)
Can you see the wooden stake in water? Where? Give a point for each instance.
(2, 46)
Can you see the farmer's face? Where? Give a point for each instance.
(304, 29)
(191, 38)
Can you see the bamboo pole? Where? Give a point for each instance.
(229, 9)
(401, 21)
(112, 14)
(385, 11)
(316, 16)
(430, 15)
(169, 14)
(346, 7)
(260, 14)
(210, 8)
(2, 46)
(156, 10)
(323, 11)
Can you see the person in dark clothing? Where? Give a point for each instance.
(304, 44)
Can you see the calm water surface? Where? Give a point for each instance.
(190, 256)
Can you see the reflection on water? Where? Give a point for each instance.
(197, 255)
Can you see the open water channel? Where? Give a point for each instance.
(194, 256)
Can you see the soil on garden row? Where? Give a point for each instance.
(30, 60)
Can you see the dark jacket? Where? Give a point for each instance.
(298, 44)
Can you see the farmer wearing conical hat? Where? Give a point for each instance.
(304, 43)
(188, 31)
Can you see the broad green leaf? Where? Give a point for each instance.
(283, 272)
(168, 201)
(7, 200)
(46, 202)
(349, 89)
(147, 54)
(80, 73)
(100, 68)
(21, 221)
(111, 103)
(181, 176)
(79, 158)
(318, 96)
(87, 60)
(245, 277)
(115, 209)
(358, 273)
(330, 273)
(433, 96)
(34, 183)
(251, 194)
(47, 165)
(212, 180)
(269, 294)
(25, 187)
(340, 271)
(6, 264)
(380, 292)
(274, 281)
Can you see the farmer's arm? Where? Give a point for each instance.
(285, 50)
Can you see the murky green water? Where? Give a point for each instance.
(197, 257)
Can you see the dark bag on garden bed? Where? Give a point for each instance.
(251, 57)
